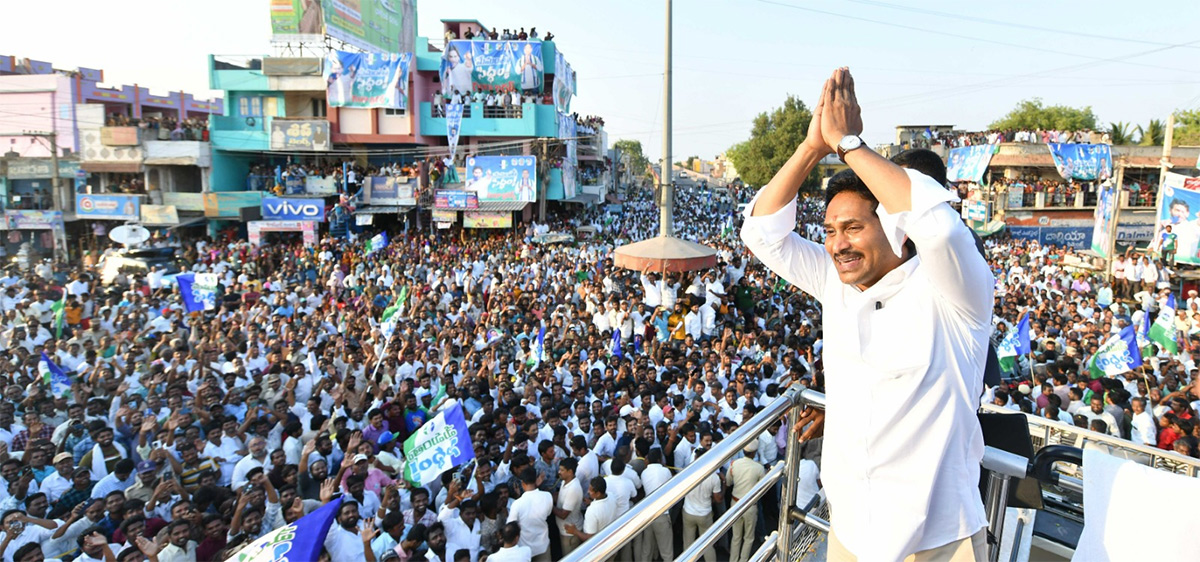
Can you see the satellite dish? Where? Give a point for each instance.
(130, 234)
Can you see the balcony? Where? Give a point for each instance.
(530, 120)
(178, 153)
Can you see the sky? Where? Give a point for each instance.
(914, 62)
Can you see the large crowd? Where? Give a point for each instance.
(957, 139)
(163, 128)
(186, 437)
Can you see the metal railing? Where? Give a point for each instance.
(1044, 432)
(610, 539)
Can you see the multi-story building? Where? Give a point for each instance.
(282, 134)
(119, 150)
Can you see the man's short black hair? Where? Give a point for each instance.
(923, 160)
(847, 180)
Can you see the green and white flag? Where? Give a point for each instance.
(1117, 356)
(1164, 332)
(1014, 344)
(60, 314)
(440, 444)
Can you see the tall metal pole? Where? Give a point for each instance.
(59, 233)
(666, 208)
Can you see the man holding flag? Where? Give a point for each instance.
(1014, 345)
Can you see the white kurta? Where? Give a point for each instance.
(904, 365)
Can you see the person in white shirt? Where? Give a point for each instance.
(1145, 431)
(698, 512)
(658, 533)
(599, 513)
(345, 542)
(512, 551)
(907, 304)
(530, 512)
(568, 506)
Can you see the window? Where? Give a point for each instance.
(393, 111)
(250, 106)
(318, 107)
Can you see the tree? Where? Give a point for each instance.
(637, 160)
(1032, 114)
(774, 136)
(1187, 128)
(1154, 133)
(1121, 133)
(690, 162)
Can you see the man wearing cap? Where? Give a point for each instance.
(744, 473)
(58, 481)
(147, 479)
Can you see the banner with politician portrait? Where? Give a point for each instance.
(502, 178)
(502, 66)
(1106, 199)
(969, 163)
(367, 79)
(1082, 161)
(564, 83)
(1179, 208)
(454, 115)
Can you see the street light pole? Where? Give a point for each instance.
(666, 188)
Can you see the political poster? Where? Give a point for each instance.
(302, 540)
(969, 163)
(1016, 196)
(287, 134)
(975, 210)
(367, 79)
(570, 179)
(1179, 208)
(564, 83)
(454, 115)
(445, 215)
(1106, 203)
(390, 190)
(440, 444)
(502, 178)
(487, 219)
(452, 199)
(1082, 161)
(500, 66)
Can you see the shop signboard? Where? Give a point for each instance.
(108, 207)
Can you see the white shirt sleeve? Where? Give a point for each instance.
(946, 247)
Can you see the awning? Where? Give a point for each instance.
(113, 167)
(584, 199)
(382, 209)
(186, 220)
(499, 206)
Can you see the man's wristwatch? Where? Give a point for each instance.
(848, 143)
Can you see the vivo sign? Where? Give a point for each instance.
(277, 208)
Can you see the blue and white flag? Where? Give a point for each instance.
(377, 242)
(454, 114)
(440, 444)
(302, 540)
(1117, 356)
(199, 291)
(637, 344)
(55, 377)
(616, 344)
(539, 346)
